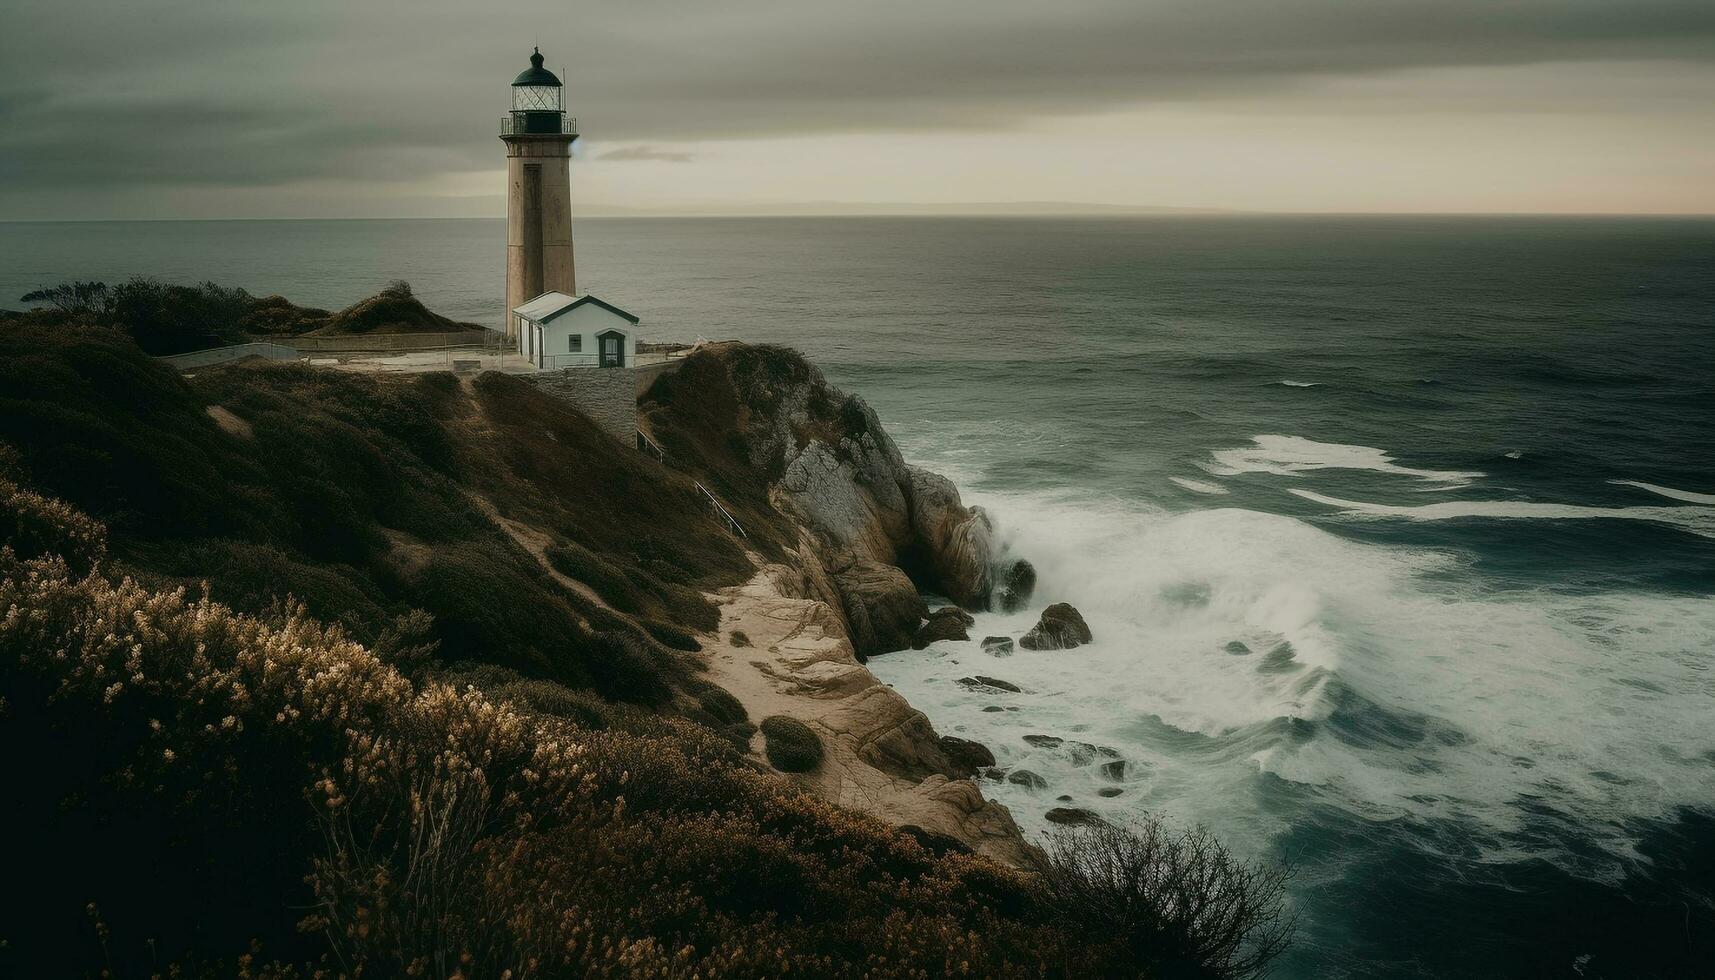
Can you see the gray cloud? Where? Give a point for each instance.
(101, 93)
(645, 152)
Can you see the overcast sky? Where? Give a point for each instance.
(239, 108)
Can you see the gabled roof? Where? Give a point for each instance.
(552, 304)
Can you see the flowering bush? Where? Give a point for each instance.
(212, 779)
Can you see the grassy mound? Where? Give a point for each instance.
(277, 316)
(367, 498)
(393, 310)
(792, 746)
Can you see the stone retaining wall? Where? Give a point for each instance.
(607, 395)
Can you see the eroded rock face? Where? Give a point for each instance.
(835, 471)
(882, 607)
(1060, 628)
(882, 755)
(958, 540)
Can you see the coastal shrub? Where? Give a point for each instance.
(718, 702)
(1181, 902)
(220, 781)
(671, 636)
(168, 318)
(33, 525)
(791, 745)
(77, 299)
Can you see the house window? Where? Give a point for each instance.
(577, 342)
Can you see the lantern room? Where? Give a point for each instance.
(538, 103)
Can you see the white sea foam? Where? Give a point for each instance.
(1593, 706)
(1668, 492)
(1696, 520)
(1288, 455)
(1198, 486)
(1301, 384)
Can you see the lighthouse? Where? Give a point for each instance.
(538, 136)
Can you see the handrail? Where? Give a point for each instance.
(644, 443)
(731, 523)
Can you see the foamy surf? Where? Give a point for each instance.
(1694, 520)
(1289, 455)
(1668, 492)
(1238, 653)
(1198, 486)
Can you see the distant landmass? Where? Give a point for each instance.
(951, 208)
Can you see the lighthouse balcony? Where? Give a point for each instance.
(538, 124)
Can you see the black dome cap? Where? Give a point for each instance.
(536, 74)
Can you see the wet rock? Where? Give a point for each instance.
(945, 623)
(881, 606)
(1237, 649)
(967, 757)
(980, 682)
(1060, 628)
(1109, 792)
(1044, 741)
(1071, 816)
(1114, 770)
(1024, 777)
(957, 537)
(1063, 798)
(1016, 584)
(998, 646)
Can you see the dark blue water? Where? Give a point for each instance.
(1397, 535)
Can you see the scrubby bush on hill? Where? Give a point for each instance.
(1180, 901)
(206, 762)
(359, 496)
(792, 746)
(393, 310)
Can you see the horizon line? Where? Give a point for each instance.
(1116, 212)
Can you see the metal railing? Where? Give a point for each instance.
(648, 447)
(732, 525)
(511, 125)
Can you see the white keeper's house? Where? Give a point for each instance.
(560, 331)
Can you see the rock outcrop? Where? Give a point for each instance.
(945, 623)
(881, 755)
(1017, 583)
(1060, 628)
(830, 469)
(881, 606)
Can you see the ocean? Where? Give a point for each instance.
(1397, 535)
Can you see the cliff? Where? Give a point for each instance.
(436, 558)
(871, 530)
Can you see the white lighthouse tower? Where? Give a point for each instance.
(538, 136)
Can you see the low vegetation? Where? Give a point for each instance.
(792, 745)
(262, 794)
(1183, 905)
(173, 318)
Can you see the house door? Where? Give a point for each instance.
(612, 349)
